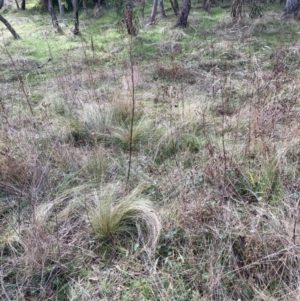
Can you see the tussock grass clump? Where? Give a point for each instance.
(95, 122)
(24, 171)
(47, 246)
(131, 216)
(122, 110)
(96, 166)
(114, 215)
(121, 135)
(184, 134)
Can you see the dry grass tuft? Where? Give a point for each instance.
(113, 219)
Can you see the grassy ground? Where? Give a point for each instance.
(211, 207)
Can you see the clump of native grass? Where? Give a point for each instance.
(36, 252)
(52, 243)
(25, 171)
(113, 124)
(116, 219)
(108, 122)
(123, 136)
(182, 133)
(111, 214)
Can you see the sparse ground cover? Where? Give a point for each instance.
(211, 208)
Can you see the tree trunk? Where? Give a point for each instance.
(75, 15)
(98, 10)
(153, 13)
(52, 14)
(18, 7)
(9, 27)
(184, 14)
(175, 6)
(76, 18)
(1, 3)
(84, 6)
(23, 5)
(291, 6)
(161, 8)
(206, 5)
(129, 17)
(61, 8)
(236, 9)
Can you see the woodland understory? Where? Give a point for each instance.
(160, 166)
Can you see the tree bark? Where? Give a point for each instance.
(153, 13)
(184, 14)
(23, 5)
(175, 6)
(9, 27)
(1, 3)
(129, 17)
(206, 5)
(18, 7)
(161, 8)
(75, 15)
(52, 14)
(61, 8)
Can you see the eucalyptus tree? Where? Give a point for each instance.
(153, 12)
(175, 6)
(61, 8)
(156, 3)
(53, 15)
(184, 13)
